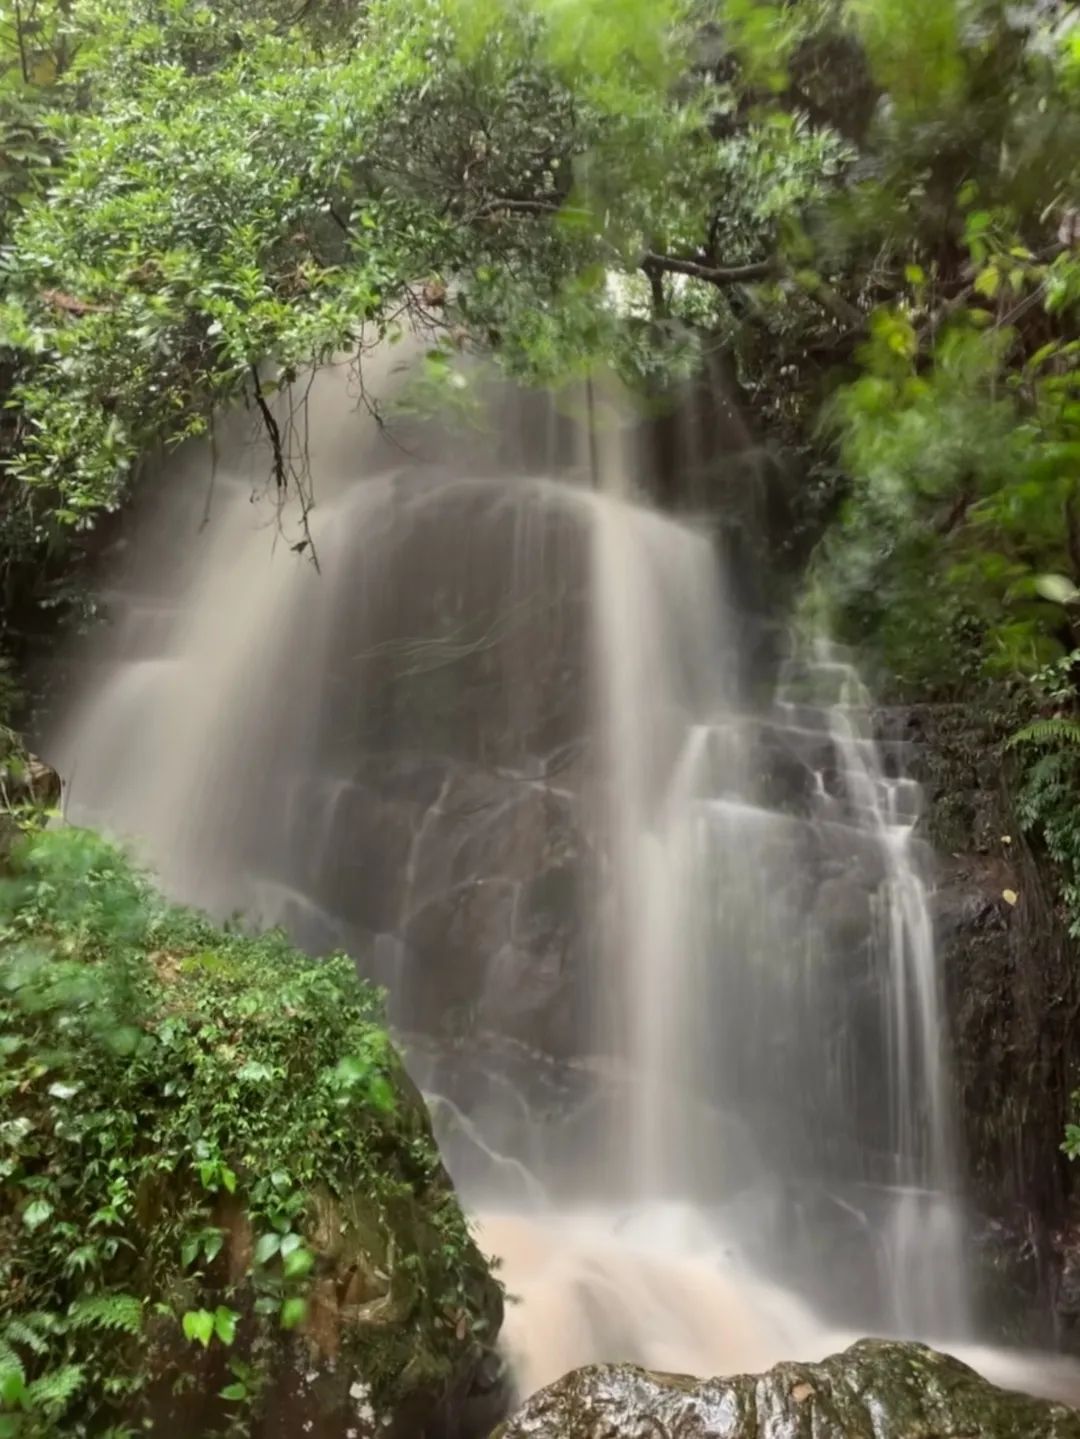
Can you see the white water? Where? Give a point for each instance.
(669, 1300)
(502, 748)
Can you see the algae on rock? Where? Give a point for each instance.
(221, 1207)
(877, 1389)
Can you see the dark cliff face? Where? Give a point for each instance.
(1012, 984)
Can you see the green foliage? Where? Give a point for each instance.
(1056, 729)
(236, 192)
(164, 1086)
(1046, 805)
(959, 432)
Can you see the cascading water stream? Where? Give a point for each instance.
(925, 1235)
(664, 961)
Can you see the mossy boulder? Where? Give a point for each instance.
(877, 1389)
(221, 1207)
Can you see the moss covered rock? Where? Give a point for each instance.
(875, 1390)
(221, 1207)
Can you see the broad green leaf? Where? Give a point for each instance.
(267, 1247)
(199, 1326)
(298, 1263)
(225, 1324)
(36, 1213)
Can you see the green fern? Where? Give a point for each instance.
(107, 1311)
(11, 1366)
(17, 1332)
(1058, 729)
(54, 1391)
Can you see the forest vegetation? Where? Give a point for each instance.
(869, 208)
(205, 1137)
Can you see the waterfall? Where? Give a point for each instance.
(660, 952)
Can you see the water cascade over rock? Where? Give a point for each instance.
(657, 940)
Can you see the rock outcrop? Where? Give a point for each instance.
(270, 1245)
(1012, 988)
(877, 1389)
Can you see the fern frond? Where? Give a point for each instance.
(107, 1311)
(22, 1331)
(1055, 730)
(11, 1366)
(54, 1391)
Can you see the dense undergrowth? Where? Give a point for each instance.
(182, 1108)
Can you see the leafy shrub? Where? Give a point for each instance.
(164, 1085)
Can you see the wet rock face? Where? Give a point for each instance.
(1012, 983)
(461, 887)
(877, 1389)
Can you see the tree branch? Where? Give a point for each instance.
(656, 285)
(281, 478)
(834, 304)
(830, 300)
(712, 274)
(521, 207)
(24, 62)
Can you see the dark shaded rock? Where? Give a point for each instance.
(458, 886)
(877, 1389)
(1012, 989)
(843, 907)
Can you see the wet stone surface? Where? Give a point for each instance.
(877, 1389)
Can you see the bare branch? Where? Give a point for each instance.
(711, 274)
(24, 60)
(521, 207)
(273, 431)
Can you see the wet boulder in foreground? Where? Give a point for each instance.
(877, 1389)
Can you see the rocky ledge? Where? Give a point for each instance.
(877, 1389)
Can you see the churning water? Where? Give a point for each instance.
(659, 950)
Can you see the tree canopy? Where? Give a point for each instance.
(871, 207)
